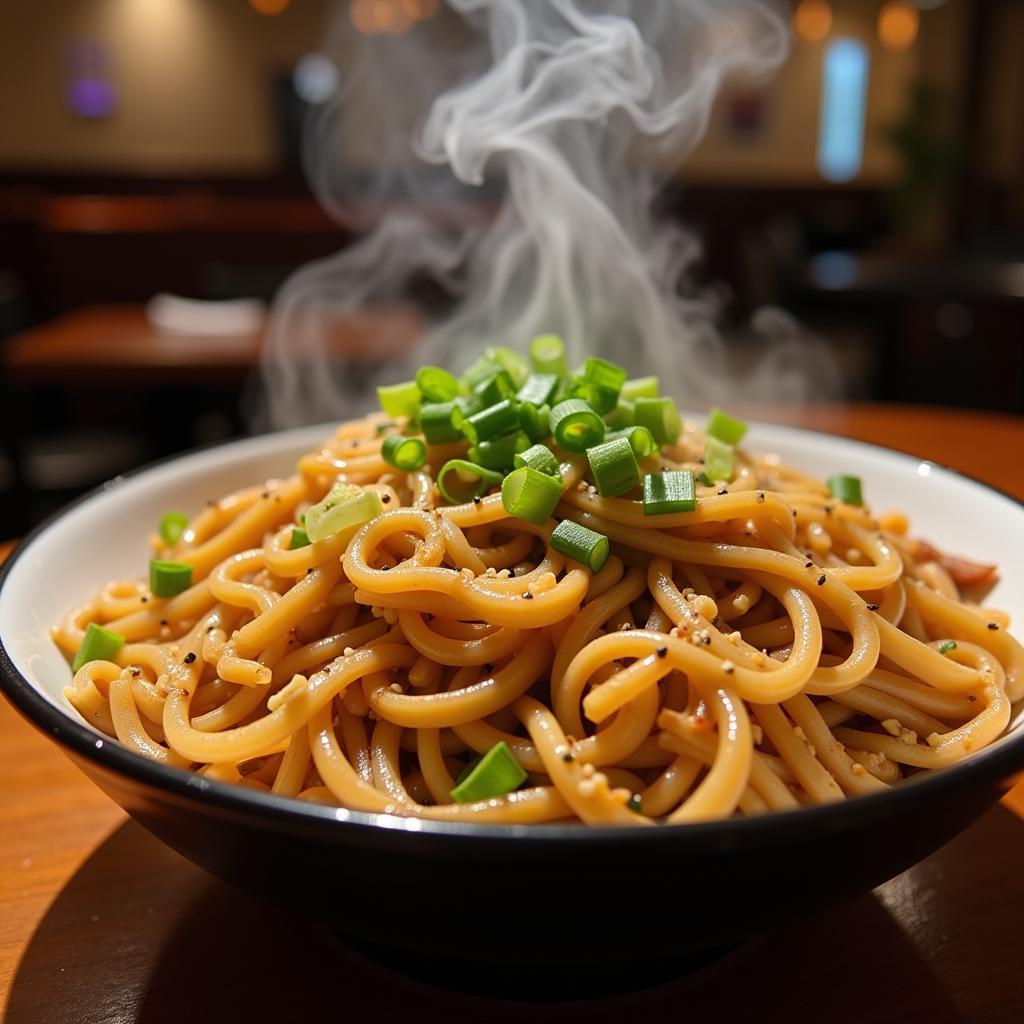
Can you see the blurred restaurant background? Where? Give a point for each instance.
(874, 189)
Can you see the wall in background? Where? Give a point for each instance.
(194, 81)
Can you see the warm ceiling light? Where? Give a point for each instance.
(269, 6)
(898, 23)
(812, 20)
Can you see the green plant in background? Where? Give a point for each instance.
(930, 157)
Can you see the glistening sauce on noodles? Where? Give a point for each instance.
(774, 646)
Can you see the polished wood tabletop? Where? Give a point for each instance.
(100, 922)
(98, 344)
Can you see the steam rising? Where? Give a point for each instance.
(566, 115)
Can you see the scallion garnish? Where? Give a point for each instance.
(435, 384)
(535, 420)
(400, 399)
(640, 438)
(169, 578)
(441, 422)
(299, 538)
(671, 491)
(494, 388)
(640, 387)
(539, 388)
(480, 370)
(345, 505)
(500, 452)
(623, 415)
(531, 494)
(581, 544)
(172, 526)
(547, 354)
(576, 426)
(719, 460)
(460, 481)
(496, 773)
(404, 453)
(599, 384)
(510, 361)
(493, 421)
(660, 416)
(946, 646)
(98, 644)
(725, 427)
(538, 457)
(846, 489)
(614, 468)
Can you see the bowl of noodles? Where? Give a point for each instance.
(621, 688)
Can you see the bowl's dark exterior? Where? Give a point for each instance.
(544, 894)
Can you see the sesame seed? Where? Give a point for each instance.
(728, 667)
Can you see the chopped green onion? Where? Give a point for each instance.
(640, 439)
(661, 417)
(466, 769)
(703, 478)
(614, 467)
(547, 353)
(581, 544)
(460, 481)
(635, 803)
(172, 526)
(497, 773)
(467, 405)
(946, 646)
(725, 427)
(345, 505)
(576, 426)
(405, 453)
(494, 388)
(846, 489)
(671, 491)
(719, 460)
(623, 415)
(536, 421)
(640, 387)
(498, 419)
(169, 578)
(441, 422)
(98, 644)
(435, 384)
(483, 368)
(501, 452)
(400, 399)
(511, 362)
(299, 539)
(531, 494)
(603, 373)
(540, 458)
(539, 388)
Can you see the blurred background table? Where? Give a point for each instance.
(103, 923)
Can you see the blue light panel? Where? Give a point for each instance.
(843, 100)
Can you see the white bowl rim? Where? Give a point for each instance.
(989, 767)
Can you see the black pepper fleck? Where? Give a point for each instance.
(760, 497)
(527, 596)
(828, 510)
(163, 622)
(385, 499)
(993, 625)
(728, 669)
(808, 565)
(724, 490)
(568, 758)
(477, 500)
(821, 580)
(873, 607)
(190, 657)
(662, 652)
(265, 494)
(145, 600)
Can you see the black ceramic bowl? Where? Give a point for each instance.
(608, 901)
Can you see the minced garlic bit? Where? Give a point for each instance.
(397, 688)
(891, 726)
(908, 736)
(858, 769)
(348, 652)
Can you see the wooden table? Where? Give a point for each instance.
(104, 343)
(100, 922)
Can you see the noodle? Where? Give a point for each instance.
(770, 649)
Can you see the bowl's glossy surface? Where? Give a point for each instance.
(544, 894)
